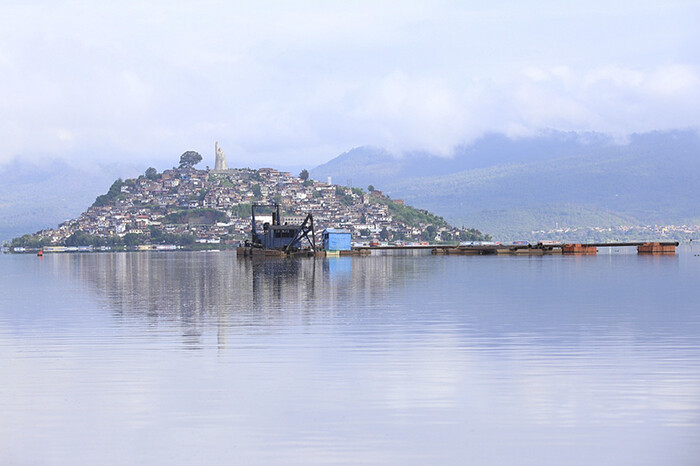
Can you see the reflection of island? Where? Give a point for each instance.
(201, 294)
(199, 289)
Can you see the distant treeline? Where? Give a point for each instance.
(80, 238)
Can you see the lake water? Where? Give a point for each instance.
(203, 358)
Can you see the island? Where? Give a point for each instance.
(189, 207)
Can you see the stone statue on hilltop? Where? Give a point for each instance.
(220, 158)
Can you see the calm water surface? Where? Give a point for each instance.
(202, 358)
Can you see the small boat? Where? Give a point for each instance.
(40, 253)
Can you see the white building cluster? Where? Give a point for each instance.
(145, 205)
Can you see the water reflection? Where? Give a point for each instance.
(574, 360)
(196, 289)
(547, 298)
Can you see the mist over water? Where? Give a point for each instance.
(205, 358)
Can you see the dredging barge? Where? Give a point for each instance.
(279, 239)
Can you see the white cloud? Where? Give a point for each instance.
(619, 76)
(302, 82)
(676, 80)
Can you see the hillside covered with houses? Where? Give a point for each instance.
(186, 206)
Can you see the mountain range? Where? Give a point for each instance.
(511, 187)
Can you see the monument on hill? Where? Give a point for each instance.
(220, 158)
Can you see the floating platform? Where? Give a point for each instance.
(656, 248)
(579, 249)
(496, 251)
(539, 249)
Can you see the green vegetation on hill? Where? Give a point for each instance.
(409, 215)
(160, 237)
(80, 238)
(196, 216)
(241, 210)
(29, 241)
(113, 194)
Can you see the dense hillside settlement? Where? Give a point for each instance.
(188, 207)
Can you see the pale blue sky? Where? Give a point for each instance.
(300, 82)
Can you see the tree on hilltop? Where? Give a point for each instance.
(189, 159)
(304, 175)
(151, 173)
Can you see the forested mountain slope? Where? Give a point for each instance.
(654, 178)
